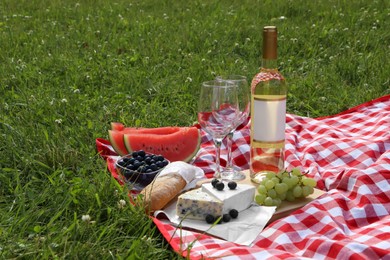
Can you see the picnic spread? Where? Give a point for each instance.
(348, 154)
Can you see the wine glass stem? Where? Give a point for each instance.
(229, 140)
(217, 143)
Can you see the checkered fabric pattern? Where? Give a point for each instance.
(349, 156)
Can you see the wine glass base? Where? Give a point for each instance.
(232, 175)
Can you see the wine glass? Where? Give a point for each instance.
(217, 112)
(243, 92)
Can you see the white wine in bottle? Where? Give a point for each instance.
(268, 112)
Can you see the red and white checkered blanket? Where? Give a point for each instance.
(349, 156)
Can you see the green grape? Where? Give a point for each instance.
(277, 202)
(294, 180)
(281, 188)
(262, 189)
(268, 201)
(288, 181)
(297, 191)
(275, 180)
(259, 198)
(307, 190)
(270, 175)
(269, 184)
(290, 196)
(280, 175)
(309, 182)
(272, 193)
(285, 175)
(282, 196)
(296, 172)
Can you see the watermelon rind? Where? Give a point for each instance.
(178, 146)
(116, 140)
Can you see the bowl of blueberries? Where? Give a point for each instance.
(140, 168)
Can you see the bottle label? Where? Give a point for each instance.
(268, 121)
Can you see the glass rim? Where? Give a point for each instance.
(232, 77)
(218, 84)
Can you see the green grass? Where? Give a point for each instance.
(69, 68)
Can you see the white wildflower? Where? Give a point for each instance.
(282, 18)
(76, 90)
(121, 204)
(64, 100)
(188, 79)
(58, 121)
(85, 218)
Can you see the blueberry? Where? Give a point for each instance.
(122, 163)
(141, 153)
(134, 154)
(160, 164)
(149, 170)
(137, 164)
(153, 167)
(232, 185)
(233, 213)
(139, 158)
(147, 160)
(130, 167)
(165, 162)
(159, 158)
(226, 217)
(130, 161)
(214, 182)
(220, 185)
(219, 219)
(210, 219)
(128, 174)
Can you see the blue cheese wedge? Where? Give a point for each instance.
(196, 204)
(240, 198)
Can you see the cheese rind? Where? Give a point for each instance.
(196, 204)
(239, 198)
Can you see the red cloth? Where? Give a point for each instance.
(349, 155)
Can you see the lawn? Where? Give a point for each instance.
(69, 68)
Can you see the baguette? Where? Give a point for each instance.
(161, 191)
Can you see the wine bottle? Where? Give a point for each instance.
(268, 112)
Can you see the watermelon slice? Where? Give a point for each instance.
(117, 126)
(116, 140)
(116, 136)
(177, 146)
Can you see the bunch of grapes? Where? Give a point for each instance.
(275, 188)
